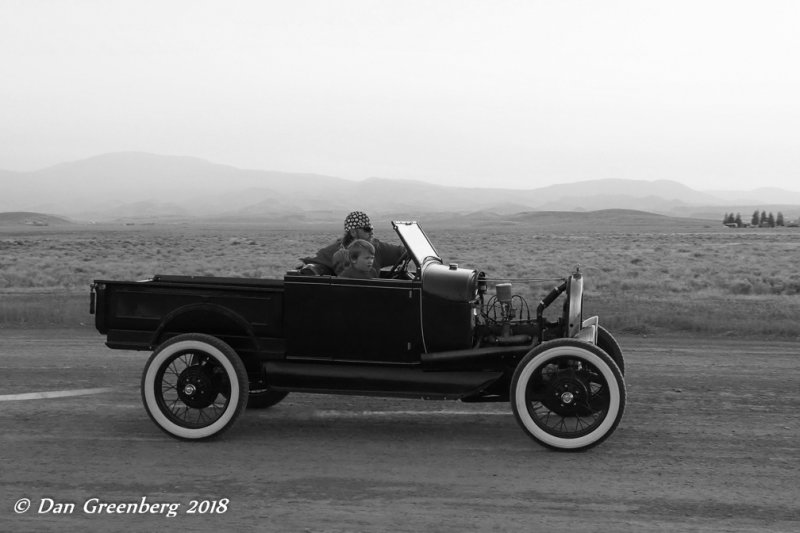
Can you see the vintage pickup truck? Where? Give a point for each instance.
(423, 329)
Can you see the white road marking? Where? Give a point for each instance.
(378, 414)
(52, 394)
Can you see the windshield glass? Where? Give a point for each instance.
(416, 242)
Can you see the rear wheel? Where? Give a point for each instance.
(263, 398)
(194, 386)
(568, 395)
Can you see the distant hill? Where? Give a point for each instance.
(132, 185)
(603, 221)
(26, 218)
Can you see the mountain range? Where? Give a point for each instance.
(134, 185)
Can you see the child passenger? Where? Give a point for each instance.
(361, 254)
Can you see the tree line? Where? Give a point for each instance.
(761, 219)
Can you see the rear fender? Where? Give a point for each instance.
(204, 310)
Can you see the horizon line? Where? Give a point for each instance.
(407, 180)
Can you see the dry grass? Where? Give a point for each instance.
(31, 309)
(716, 281)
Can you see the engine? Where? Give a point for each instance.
(505, 319)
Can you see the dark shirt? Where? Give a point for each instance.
(325, 255)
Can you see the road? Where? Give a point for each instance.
(710, 441)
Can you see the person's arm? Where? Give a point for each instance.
(340, 261)
(324, 255)
(389, 253)
(322, 263)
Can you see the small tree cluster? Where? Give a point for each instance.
(729, 218)
(759, 219)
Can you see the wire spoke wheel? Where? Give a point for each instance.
(568, 394)
(194, 386)
(193, 394)
(568, 398)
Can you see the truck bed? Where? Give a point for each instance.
(138, 315)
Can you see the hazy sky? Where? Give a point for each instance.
(492, 93)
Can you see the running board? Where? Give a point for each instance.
(376, 380)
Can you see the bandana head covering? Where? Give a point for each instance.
(356, 220)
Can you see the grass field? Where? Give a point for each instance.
(645, 278)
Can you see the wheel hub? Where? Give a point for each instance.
(196, 388)
(568, 396)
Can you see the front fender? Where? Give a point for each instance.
(589, 330)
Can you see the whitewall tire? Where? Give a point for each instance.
(194, 386)
(568, 395)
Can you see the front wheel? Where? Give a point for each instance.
(609, 344)
(194, 386)
(568, 395)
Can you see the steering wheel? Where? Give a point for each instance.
(400, 267)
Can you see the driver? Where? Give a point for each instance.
(357, 225)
